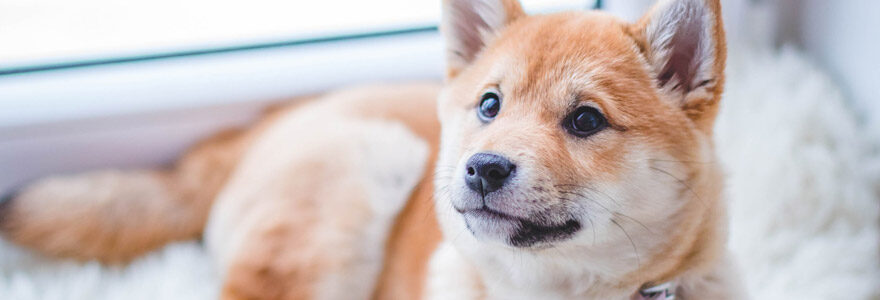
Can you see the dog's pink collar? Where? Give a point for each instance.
(664, 291)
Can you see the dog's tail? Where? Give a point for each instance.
(114, 216)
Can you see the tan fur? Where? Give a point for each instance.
(102, 214)
(341, 198)
(543, 65)
(305, 228)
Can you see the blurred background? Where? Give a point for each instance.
(97, 83)
(88, 84)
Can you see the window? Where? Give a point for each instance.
(47, 34)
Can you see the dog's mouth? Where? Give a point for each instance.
(519, 232)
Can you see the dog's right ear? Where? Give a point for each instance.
(470, 25)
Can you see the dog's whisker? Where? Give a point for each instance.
(633, 243)
(683, 183)
(607, 196)
(593, 226)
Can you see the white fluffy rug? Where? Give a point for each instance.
(802, 180)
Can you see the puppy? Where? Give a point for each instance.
(567, 156)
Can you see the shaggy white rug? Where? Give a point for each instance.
(802, 182)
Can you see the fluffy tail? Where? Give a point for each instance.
(114, 216)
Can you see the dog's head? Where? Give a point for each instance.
(578, 130)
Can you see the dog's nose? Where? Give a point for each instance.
(487, 172)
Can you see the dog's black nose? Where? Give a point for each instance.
(487, 172)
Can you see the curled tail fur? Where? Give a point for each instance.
(114, 216)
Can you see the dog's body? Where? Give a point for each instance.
(574, 162)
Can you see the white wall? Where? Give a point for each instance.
(844, 37)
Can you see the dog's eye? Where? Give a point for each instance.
(585, 121)
(490, 104)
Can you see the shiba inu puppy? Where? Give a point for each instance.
(568, 156)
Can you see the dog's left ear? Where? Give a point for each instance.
(683, 42)
(470, 25)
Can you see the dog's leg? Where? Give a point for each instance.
(307, 214)
(114, 216)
